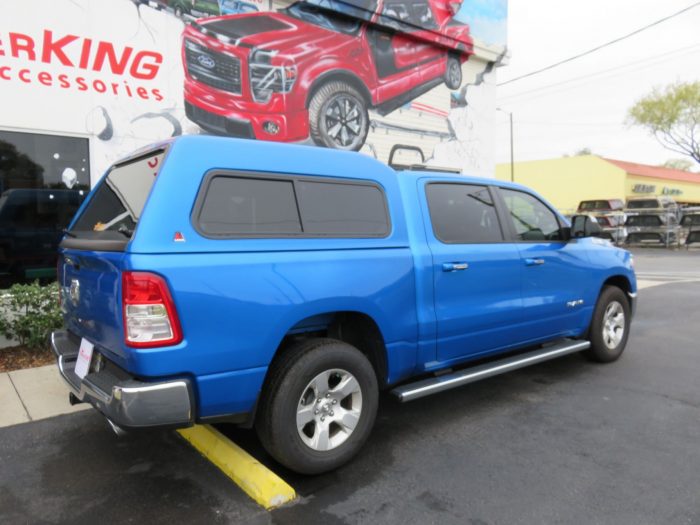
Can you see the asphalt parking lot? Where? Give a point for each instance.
(563, 442)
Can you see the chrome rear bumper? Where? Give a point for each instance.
(124, 400)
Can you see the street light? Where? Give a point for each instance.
(512, 160)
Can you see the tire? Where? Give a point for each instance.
(294, 415)
(338, 117)
(607, 341)
(453, 73)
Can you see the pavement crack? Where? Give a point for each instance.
(26, 411)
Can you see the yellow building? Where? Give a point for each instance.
(569, 180)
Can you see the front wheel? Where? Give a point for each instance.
(318, 407)
(610, 326)
(338, 117)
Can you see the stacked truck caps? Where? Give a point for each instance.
(283, 287)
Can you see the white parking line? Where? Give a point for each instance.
(646, 282)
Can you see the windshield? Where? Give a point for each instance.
(594, 205)
(336, 15)
(118, 201)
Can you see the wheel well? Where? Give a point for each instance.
(620, 282)
(342, 76)
(354, 328)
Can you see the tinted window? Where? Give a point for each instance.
(463, 213)
(650, 221)
(342, 209)
(118, 201)
(644, 204)
(594, 205)
(532, 220)
(691, 220)
(248, 206)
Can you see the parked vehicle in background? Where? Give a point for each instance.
(652, 203)
(610, 216)
(315, 68)
(195, 8)
(176, 313)
(653, 220)
(236, 7)
(209, 8)
(31, 226)
(690, 228)
(653, 228)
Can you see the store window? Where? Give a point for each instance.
(43, 181)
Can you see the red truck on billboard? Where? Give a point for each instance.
(316, 67)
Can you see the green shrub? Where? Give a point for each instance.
(29, 313)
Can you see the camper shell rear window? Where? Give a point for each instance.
(112, 212)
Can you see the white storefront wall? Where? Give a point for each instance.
(112, 72)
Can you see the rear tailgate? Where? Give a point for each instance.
(90, 284)
(92, 255)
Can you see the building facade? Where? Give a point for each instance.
(567, 181)
(85, 82)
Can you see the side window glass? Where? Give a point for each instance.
(532, 220)
(423, 15)
(249, 206)
(463, 214)
(342, 209)
(395, 15)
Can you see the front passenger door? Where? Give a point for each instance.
(556, 273)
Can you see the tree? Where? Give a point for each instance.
(678, 164)
(581, 153)
(672, 115)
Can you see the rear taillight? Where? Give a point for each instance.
(150, 318)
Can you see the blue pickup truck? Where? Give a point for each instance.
(283, 287)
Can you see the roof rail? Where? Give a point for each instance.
(416, 167)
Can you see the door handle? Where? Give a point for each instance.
(534, 262)
(455, 267)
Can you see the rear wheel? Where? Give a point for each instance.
(318, 407)
(338, 117)
(610, 326)
(453, 73)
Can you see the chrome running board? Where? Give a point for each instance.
(433, 385)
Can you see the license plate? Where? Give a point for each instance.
(82, 365)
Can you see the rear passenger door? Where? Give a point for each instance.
(556, 272)
(476, 272)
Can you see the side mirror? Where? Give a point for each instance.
(585, 226)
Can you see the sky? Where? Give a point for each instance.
(584, 104)
(487, 19)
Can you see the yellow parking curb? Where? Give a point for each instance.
(256, 480)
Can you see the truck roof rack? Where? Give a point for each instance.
(416, 167)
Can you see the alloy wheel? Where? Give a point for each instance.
(613, 325)
(329, 409)
(344, 121)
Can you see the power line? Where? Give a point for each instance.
(602, 46)
(624, 69)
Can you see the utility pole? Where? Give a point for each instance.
(512, 144)
(512, 155)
